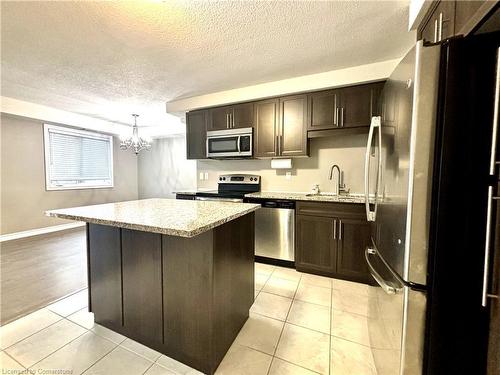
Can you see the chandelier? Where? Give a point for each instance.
(135, 142)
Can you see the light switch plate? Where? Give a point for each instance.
(206, 175)
(288, 175)
(201, 176)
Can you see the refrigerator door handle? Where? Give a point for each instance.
(389, 289)
(489, 210)
(375, 123)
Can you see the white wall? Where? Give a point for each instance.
(347, 151)
(165, 169)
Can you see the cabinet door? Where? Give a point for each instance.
(242, 116)
(292, 134)
(353, 238)
(358, 104)
(266, 119)
(464, 12)
(429, 32)
(196, 134)
(142, 286)
(323, 110)
(445, 15)
(316, 248)
(219, 118)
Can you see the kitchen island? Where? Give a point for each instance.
(177, 276)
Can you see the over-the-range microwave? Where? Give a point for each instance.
(230, 143)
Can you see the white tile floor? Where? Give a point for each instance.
(299, 324)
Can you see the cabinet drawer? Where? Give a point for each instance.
(330, 209)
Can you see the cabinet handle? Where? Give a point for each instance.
(440, 34)
(342, 115)
(435, 30)
(277, 145)
(227, 120)
(340, 229)
(231, 120)
(335, 229)
(336, 119)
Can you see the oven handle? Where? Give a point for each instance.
(233, 200)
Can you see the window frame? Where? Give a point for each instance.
(71, 131)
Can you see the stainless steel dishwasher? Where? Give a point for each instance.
(275, 229)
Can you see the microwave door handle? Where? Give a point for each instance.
(239, 144)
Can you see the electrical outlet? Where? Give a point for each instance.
(206, 175)
(201, 176)
(288, 175)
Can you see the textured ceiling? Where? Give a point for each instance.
(109, 59)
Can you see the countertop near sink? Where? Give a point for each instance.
(351, 198)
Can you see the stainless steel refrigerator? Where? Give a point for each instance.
(425, 176)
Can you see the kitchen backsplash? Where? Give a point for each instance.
(348, 151)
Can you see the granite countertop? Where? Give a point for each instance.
(350, 198)
(183, 218)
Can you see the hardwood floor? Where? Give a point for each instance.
(39, 270)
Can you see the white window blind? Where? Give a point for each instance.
(76, 159)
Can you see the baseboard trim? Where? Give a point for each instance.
(38, 231)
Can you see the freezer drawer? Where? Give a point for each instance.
(275, 233)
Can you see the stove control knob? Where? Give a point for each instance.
(220, 178)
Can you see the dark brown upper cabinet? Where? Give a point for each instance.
(292, 135)
(281, 127)
(358, 104)
(439, 24)
(196, 134)
(446, 18)
(347, 107)
(324, 109)
(266, 126)
(465, 12)
(219, 118)
(231, 117)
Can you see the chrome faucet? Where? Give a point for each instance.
(339, 186)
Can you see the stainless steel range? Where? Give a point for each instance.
(231, 188)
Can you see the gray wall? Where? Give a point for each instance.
(23, 195)
(165, 169)
(348, 151)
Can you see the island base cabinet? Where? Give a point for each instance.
(185, 297)
(105, 275)
(142, 286)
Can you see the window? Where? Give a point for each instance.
(76, 159)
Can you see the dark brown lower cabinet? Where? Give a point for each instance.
(316, 246)
(331, 240)
(353, 238)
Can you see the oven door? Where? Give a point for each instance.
(231, 145)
